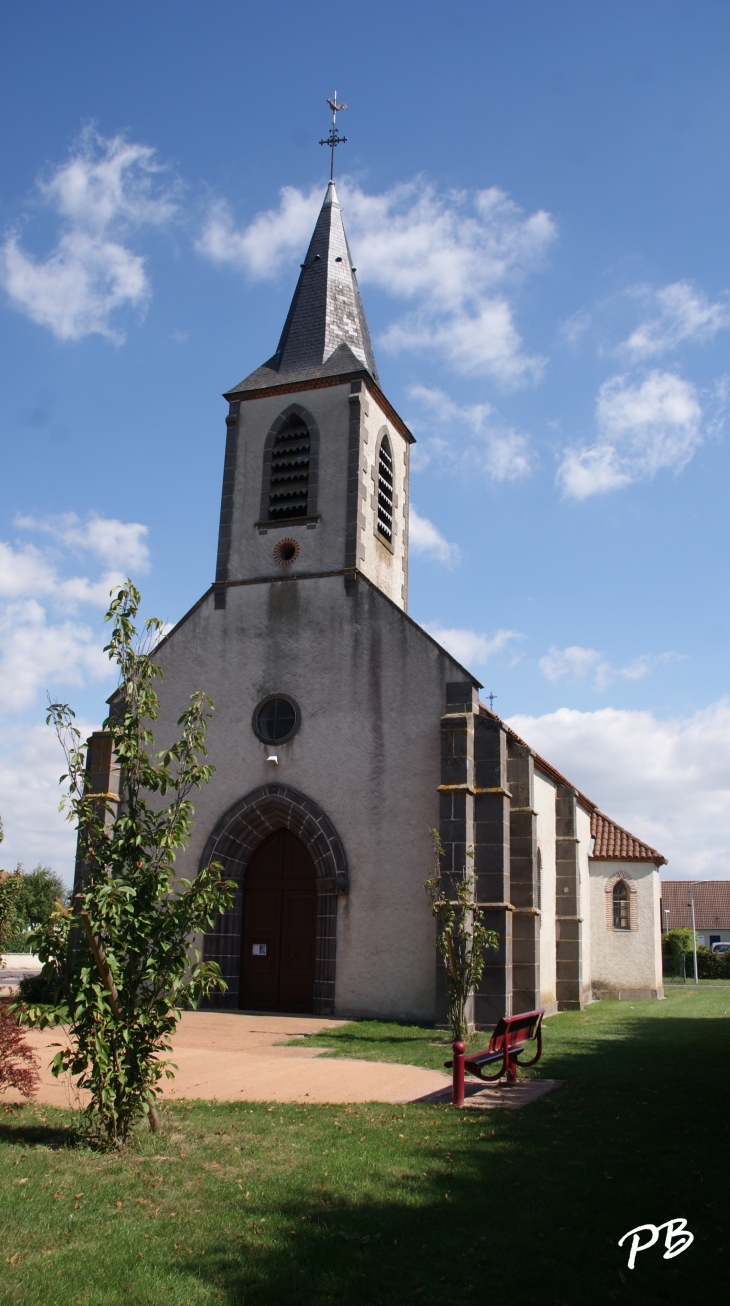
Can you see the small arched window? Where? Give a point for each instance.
(621, 901)
(385, 490)
(289, 476)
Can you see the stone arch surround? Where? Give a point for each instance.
(234, 838)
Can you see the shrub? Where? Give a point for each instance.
(18, 1061)
(677, 941)
(37, 894)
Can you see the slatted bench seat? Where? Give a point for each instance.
(508, 1042)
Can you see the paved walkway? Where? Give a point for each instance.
(231, 1056)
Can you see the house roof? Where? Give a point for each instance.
(612, 842)
(712, 905)
(326, 332)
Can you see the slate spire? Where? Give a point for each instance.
(325, 332)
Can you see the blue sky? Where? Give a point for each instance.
(536, 200)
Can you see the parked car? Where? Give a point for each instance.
(721, 947)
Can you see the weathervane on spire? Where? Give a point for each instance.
(333, 139)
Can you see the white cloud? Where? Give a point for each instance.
(270, 242)
(40, 645)
(118, 543)
(31, 763)
(468, 646)
(684, 314)
(501, 452)
(423, 537)
(108, 188)
(446, 253)
(575, 326)
(580, 663)
(644, 427)
(34, 654)
(485, 342)
(667, 781)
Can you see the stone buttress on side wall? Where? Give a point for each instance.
(568, 919)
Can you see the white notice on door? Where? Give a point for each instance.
(259, 949)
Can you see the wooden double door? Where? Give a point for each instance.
(279, 927)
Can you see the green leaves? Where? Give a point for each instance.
(122, 961)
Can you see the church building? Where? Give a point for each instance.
(344, 734)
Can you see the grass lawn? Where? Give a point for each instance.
(240, 1203)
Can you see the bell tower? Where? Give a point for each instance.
(316, 472)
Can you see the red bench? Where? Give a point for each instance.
(508, 1042)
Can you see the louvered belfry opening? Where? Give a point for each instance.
(289, 477)
(385, 491)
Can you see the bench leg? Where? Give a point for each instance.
(511, 1070)
(457, 1082)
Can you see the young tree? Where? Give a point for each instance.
(122, 959)
(462, 938)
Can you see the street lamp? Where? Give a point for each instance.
(694, 932)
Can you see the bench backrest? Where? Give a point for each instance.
(515, 1029)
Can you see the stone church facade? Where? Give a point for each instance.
(343, 734)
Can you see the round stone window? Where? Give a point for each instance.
(276, 719)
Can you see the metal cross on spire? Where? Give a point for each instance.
(333, 139)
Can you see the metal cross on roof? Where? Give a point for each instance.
(333, 139)
(491, 698)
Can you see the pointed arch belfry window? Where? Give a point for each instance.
(385, 490)
(289, 471)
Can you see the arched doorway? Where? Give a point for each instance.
(235, 839)
(279, 927)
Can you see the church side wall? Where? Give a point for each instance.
(583, 831)
(544, 799)
(370, 686)
(626, 963)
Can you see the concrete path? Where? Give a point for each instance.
(232, 1056)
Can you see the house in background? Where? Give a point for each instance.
(712, 909)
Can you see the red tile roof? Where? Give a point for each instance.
(712, 905)
(613, 843)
